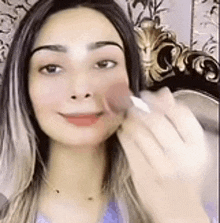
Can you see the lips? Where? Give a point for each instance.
(83, 119)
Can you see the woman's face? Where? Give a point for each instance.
(77, 57)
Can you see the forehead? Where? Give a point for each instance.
(77, 26)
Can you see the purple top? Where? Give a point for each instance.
(112, 215)
(211, 210)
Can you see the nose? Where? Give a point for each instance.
(81, 96)
(81, 86)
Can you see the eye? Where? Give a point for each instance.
(106, 64)
(50, 69)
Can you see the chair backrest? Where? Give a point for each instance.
(168, 63)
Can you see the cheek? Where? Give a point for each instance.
(45, 95)
(108, 84)
(116, 94)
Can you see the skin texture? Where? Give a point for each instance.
(159, 146)
(118, 97)
(168, 156)
(77, 154)
(77, 74)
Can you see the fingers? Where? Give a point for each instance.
(186, 123)
(160, 100)
(162, 148)
(137, 159)
(195, 155)
(143, 143)
(169, 132)
(182, 119)
(191, 151)
(154, 133)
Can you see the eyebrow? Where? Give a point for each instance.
(63, 49)
(56, 48)
(99, 44)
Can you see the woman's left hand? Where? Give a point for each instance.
(167, 154)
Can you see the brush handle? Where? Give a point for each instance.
(139, 103)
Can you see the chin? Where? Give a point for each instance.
(82, 139)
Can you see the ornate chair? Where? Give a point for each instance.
(193, 77)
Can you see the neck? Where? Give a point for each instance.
(76, 172)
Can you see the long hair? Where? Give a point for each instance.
(24, 147)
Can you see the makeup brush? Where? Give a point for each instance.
(120, 98)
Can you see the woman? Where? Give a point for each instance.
(61, 125)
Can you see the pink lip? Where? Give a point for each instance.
(83, 119)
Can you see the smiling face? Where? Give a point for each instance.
(77, 56)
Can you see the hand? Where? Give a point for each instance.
(167, 154)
